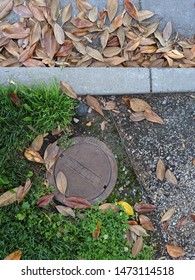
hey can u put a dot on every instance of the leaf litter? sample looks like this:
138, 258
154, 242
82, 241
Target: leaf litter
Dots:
53, 30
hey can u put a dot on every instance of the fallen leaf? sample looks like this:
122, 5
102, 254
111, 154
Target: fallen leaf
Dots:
97, 231
50, 43
137, 247
15, 31
77, 202
55, 9
131, 9
33, 63
148, 49
14, 256
51, 155
5, 8
117, 22
83, 5
61, 182
32, 155
36, 11
67, 13
65, 211
144, 207
81, 22
128, 208
93, 14
146, 222
151, 28
22, 191
171, 177
94, 54
112, 7
114, 61
65, 49
22, 11
175, 251
110, 105
37, 143
145, 14
160, 170
59, 33
131, 223
105, 206
35, 33
68, 90
167, 31
138, 230
104, 38
103, 125
181, 222
175, 54
121, 35
137, 116
45, 200
136, 104
153, 117
27, 53
8, 197
160, 38
111, 51
133, 45
15, 99
168, 215
93, 103
192, 216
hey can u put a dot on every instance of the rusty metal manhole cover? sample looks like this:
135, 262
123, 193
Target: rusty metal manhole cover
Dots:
90, 168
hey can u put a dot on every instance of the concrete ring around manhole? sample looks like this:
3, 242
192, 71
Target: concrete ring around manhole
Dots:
90, 169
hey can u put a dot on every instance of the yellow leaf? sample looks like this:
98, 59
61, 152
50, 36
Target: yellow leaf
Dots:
32, 155
128, 208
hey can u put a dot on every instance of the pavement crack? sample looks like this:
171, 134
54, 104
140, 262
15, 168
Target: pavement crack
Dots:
150, 78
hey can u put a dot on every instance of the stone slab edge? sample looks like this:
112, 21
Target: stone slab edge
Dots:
107, 81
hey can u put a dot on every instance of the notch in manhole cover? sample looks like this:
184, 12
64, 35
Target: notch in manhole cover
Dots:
90, 168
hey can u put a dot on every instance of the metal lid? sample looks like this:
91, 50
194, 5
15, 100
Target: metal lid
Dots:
90, 169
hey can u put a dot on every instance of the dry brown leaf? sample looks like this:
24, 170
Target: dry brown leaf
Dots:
15, 99
192, 216
72, 36
160, 38
111, 51
138, 230
14, 256
153, 117
145, 14
167, 31
37, 143
117, 22
81, 22
35, 33
77, 202
133, 44
175, 54
114, 42
16, 31
80, 47
121, 35
83, 5
12, 48
106, 206
36, 11
168, 215
65, 49
22, 191
67, 13
32, 155
97, 231
59, 33
51, 155
131, 9
110, 105
94, 54
151, 28
127, 20
160, 170
61, 182
103, 125
148, 49
144, 207
181, 222
68, 90
8, 197
104, 38
114, 61
33, 63
55, 9
146, 222
65, 211
138, 105
137, 247
93, 14
50, 43
93, 103
27, 53
193, 162
175, 251
45, 200
22, 11
171, 177
137, 116
112, 7
5, 8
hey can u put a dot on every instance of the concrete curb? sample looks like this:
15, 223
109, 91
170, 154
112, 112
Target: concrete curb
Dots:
107, 81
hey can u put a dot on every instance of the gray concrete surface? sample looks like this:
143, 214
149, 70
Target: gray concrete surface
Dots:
106, 81
174, 143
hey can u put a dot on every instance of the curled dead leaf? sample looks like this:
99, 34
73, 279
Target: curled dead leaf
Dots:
93, 103
137, 116
68, 90
175, 251
65, 211
77, 202
97, 231
14, 256
146, 222
45, 200
153, 117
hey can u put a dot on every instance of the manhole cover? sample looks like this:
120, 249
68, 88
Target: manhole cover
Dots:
90, 169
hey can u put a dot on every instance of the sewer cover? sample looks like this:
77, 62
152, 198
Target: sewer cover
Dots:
90, 168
